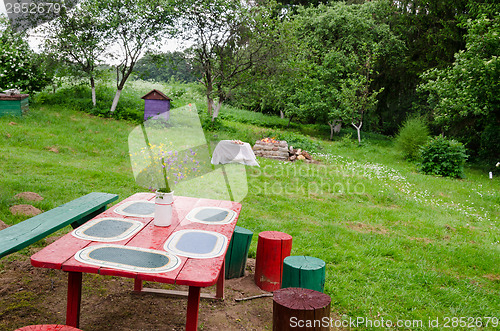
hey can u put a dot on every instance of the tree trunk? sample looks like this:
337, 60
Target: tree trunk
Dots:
210, 103
358, 128
282, 114
331, 130
335, 127
115, 100
92, 86
120, 83
216, 109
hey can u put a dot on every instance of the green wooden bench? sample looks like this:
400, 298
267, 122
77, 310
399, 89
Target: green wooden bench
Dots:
73, 213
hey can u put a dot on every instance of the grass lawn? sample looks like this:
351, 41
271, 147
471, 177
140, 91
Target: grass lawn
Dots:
398, 245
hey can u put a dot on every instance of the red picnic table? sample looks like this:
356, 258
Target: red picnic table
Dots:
123, 241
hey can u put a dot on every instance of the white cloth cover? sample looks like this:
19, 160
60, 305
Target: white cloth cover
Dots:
228, 151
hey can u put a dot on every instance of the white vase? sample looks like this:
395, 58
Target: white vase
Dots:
163, 208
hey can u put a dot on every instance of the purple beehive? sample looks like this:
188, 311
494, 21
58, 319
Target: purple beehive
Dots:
156, 103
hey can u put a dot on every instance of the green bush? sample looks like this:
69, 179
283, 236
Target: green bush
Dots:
412, 135
443, 157
298, 141
208, 125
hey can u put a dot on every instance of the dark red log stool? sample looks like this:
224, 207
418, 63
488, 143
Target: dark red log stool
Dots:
300, 309
48, 327
272, 248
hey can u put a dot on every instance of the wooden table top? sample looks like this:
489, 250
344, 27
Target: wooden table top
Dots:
201, 272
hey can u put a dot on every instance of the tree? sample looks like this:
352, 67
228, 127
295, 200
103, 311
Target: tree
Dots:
465, 97
20, 67
79, 39
356, 98
334, 60
137, 25
432, 34
230, 43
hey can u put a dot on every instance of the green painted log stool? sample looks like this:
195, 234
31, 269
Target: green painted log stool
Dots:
237, 253
304, 272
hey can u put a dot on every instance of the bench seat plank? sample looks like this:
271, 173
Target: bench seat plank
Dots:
75, 212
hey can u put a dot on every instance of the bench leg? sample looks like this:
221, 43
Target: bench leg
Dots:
74, 299
193, 308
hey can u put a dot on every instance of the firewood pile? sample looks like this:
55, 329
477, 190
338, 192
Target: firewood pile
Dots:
279, 150
299, 154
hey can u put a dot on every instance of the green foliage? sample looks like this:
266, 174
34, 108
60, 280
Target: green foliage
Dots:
347, 140
297, 141
413, 134
471, 86
20, 67
443, 157
250, 117
230, 41
79, 39
465, 97
214, 125
77, 98
329, 58
490, 142
431, 33
163, 67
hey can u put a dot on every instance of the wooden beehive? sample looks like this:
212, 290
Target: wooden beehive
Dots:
156, 103
16, 104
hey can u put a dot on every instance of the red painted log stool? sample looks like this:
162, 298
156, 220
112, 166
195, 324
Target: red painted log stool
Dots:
272, 248
301, 309
48, 327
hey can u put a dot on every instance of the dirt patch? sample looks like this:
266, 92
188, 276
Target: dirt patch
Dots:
3, 225
30, 295
366, 228
450, 228
26, 210
52, 149
29, 196
495, 278
423, 240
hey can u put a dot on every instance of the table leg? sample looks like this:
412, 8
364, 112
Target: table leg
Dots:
137, 285
193, 308
74, 299
219, 287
